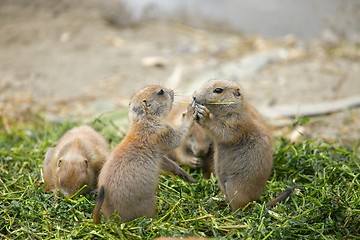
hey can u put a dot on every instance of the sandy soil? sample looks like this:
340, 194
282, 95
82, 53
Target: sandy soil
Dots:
62, 58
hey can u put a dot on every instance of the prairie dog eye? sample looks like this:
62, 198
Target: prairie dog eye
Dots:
218, 90
161, 92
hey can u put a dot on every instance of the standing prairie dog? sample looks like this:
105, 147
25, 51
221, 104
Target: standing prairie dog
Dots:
129, 179
242, 141
75, 161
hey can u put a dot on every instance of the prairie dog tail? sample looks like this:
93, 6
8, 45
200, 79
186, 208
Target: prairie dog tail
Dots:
99, 203
281, 197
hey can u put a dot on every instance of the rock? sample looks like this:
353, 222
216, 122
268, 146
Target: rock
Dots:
154, 61
241, 68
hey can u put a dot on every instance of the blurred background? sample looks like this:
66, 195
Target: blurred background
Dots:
79, 59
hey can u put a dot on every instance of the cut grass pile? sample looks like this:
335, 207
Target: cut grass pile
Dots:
325, 204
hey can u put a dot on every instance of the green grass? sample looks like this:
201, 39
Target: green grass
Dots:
325, 205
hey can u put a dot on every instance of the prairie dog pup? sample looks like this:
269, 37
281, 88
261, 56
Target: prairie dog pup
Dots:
242, 141
196, 149
129, 179
75, 161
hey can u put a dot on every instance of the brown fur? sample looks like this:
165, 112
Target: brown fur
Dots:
242, 141
196, 149
169, 166
129, 179
75, 161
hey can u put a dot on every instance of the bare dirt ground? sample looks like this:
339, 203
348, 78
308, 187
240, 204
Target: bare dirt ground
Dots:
61, 58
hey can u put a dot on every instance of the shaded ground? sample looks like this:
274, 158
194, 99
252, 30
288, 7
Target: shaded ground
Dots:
62, 58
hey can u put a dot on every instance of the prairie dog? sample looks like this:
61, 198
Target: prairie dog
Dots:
242, 141
129, 179
196, 149
75, 161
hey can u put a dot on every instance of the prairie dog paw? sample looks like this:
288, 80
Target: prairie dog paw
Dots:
190, 114
202, 113
195, 162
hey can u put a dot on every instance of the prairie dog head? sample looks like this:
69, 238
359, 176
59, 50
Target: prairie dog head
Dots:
199, 141
151, 100
73, 174
218, 95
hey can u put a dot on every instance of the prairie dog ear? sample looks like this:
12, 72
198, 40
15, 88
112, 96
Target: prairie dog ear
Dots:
237, 92
59, 162
145, 105
49, 155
